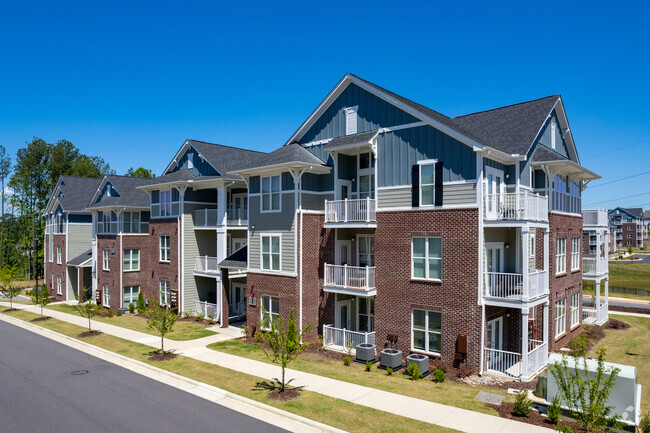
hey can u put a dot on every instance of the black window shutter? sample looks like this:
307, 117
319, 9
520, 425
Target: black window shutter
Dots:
438, 184
415, 185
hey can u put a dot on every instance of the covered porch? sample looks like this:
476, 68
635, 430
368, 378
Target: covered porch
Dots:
354, 323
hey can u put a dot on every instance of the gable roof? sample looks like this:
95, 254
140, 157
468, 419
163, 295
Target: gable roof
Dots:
636, 212
363, 137
127, 188
222, 158
81, 258
646, 214
288, 156
77, 192
237, 260
543, 154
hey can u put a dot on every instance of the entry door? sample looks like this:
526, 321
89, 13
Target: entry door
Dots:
495, 334
495, 189
344, 314
345, 189
237, 301
494, 260
344, 253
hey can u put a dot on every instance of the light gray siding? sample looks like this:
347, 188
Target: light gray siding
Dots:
79, 239
394, 197
315, 201
272, 222
195, 243
453, 195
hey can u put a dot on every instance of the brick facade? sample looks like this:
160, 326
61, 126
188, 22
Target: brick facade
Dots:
53, 270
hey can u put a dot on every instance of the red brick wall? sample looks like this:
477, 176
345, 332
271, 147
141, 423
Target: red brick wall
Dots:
157, 270
562, 286
629, 228
284, 287
112, 276
54, 270
456, 297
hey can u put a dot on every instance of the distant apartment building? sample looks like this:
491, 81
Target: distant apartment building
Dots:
628, 227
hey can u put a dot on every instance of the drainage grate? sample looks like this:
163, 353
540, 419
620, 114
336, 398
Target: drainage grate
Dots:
79, 372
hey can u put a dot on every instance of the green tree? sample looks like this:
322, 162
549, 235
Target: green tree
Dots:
630, 249
87, 309
161, 320
90, 166
586, 394
41, 297
285, 341
5, 169
63, 155
140, 172
141, 305
7, 287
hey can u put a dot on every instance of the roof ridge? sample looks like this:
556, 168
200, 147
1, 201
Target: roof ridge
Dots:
225, 145
79, 177
507, 106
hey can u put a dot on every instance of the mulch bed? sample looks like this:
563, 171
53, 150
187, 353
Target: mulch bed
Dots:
287, 394
162, 356
534, 417
89, 334
40, 319
9, 310
205, 322
616, 324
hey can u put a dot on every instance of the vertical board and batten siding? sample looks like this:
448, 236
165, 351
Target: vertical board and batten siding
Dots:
79, 239
319, 182
201, 166
544, 137
107, 191
454, 194
315, 201
272, 222
509, 170
373, 113
400, 150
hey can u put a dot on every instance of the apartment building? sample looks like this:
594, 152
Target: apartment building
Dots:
595, 265
628, 226
379, 221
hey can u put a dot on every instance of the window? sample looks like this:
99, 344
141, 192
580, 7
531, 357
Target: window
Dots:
106, 296
351, 120
270, 193
575, 253
366, 315
366, 160
366, 175
135, 222
271, 253
59, 285
629, 236
165, 292
426, 331
104, 225
106, 255
165, 248
366, 246
270, 310
427, 258
165, 203
531, 246
575, 309
560, 255
130, 295
560, 317
131, 260
427, 189
59, 254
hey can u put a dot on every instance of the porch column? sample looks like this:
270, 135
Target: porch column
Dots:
524, 344
547, 259
545, 331
606, 298
597, 301
222, 299
525, 238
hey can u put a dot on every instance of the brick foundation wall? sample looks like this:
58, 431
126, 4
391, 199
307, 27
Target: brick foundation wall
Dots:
456, 296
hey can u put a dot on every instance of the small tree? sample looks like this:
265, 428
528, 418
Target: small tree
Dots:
141, 305
630, 249
7, 288
88, 309
586, 394
285, 341
40, 296
160, 319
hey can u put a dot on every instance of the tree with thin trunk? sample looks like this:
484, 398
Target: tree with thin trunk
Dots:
5, 169
161, 320
41, 296
7, 287
285, 341
87, 309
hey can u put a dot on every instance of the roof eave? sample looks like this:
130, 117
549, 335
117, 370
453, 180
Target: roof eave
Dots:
569, 167
311, 168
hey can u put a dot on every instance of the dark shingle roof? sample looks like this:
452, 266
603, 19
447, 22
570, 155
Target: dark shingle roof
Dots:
77, 191
225, 158
636, 211
130, 195
185, 176
362, 137
238, 259
511, 129
85, 256
286, 154
646, 214
545, 154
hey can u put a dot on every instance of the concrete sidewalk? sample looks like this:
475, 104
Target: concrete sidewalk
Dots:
421, 410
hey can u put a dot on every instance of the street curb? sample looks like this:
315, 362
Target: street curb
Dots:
200, 385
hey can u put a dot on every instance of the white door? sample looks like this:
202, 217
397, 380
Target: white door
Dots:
495, 334
237, 301
343, 314
494, 260
495, 190
344, 190
344, 252
366, 250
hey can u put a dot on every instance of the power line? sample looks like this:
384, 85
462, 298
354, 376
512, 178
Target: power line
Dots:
617, 149
618, 180
618, 198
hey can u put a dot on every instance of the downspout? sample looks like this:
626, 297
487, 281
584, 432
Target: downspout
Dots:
121, 255
479, 187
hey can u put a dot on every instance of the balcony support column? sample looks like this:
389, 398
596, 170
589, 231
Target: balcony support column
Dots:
545, 329
606, 298
597, 301
524, 344
525, 238
547, 259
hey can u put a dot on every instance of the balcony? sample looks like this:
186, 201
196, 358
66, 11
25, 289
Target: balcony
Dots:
340, 338
206, 265
351, 280
509, 287
208, 218
594, 314
357, 213
237, 216
595, 217
521, 206
205, 218
594, 266
509, 364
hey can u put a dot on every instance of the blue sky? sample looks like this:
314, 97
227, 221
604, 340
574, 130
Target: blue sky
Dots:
129, 81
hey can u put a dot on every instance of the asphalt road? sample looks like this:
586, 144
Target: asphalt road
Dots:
44, 387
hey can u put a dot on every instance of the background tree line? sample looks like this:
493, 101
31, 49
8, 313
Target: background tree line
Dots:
27, 183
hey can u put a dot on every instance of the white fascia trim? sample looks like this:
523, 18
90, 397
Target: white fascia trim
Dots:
427, 161
101, 186
282, 167
452, 182
379, 131
265, 272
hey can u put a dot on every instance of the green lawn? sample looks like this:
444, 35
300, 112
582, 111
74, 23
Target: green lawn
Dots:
318, 407
449, 393
631, 276
182, 330
635, 339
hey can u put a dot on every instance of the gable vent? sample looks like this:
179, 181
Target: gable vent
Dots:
351, 120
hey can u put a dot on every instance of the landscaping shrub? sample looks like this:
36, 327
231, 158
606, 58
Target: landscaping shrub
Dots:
438, 375
564, 428
141, 307
413, 371
554, 410
131, 308
368, 365
389, 371
199, 317
644, 424
522, 404
109, 313
346, 361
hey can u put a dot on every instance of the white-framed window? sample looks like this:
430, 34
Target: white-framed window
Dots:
426, 331
130, 295
106, 296
560, 255
531, 246
270, 194
106, 259
366, 252
366, 175
629, 235
59, 285
575, 309
575, 253
560, 317
270, 310
165, 203
104, 220
366, 314
427, 184
131, 260
59, 254
165, 292
270, 251
165, 248
133, 222
426, 258
351, 120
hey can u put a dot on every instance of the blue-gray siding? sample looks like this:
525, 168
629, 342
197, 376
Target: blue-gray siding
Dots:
545, 136
508, 170
272, 222
201, 166
455, 194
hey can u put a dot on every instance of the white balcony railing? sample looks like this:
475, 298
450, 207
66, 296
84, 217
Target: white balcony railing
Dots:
522, 206
509, 364
207, 309
594, 266
511, 286
237, 216
205, 264
205, 217
350, 277
345, 338
346, 211
595, 217
537, 356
